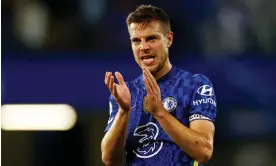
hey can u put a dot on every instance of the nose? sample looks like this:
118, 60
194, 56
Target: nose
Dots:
144, 46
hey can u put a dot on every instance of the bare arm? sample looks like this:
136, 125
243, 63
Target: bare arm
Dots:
196, 141
114, 142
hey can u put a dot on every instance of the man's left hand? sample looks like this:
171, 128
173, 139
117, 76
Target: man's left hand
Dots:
152, 102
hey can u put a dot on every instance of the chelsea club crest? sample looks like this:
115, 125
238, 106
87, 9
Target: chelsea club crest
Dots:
169, 104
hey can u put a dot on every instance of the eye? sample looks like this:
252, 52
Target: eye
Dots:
135, 40
151, 38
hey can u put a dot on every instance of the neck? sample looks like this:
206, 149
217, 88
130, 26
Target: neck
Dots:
163, 71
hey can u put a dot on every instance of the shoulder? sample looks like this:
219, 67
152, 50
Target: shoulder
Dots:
202, 85
182, 74
201, 79
192, 79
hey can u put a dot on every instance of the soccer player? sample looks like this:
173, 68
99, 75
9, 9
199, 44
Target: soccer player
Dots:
166, 115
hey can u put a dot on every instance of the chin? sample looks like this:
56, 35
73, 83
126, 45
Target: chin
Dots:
153, 69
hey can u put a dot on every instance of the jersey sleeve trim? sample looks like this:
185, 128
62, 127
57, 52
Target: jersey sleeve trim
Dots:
198, 117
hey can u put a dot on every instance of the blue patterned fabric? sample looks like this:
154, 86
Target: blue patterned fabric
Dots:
186, 96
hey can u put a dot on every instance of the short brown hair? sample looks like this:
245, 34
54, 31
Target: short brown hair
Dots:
146, 14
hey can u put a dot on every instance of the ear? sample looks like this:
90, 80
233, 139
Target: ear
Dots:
169, 39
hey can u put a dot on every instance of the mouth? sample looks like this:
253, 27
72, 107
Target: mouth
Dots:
148, 59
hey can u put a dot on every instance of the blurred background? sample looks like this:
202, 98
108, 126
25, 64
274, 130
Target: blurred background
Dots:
57, 52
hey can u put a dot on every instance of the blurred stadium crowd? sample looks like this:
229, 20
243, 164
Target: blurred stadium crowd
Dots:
228, 26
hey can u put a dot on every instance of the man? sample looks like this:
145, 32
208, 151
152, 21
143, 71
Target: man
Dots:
166, 115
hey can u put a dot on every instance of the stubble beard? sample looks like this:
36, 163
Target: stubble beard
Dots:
159, 66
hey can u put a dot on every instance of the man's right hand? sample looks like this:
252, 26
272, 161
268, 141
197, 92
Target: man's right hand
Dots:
119, 91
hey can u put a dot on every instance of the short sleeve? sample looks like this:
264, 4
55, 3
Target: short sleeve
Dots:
203, 103
113, 109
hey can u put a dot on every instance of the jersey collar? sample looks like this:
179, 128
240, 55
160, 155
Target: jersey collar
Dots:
168, 76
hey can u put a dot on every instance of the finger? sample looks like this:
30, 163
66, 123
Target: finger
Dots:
148, 80
111, 82
120, 78
114, 90
151, 80
107, 78
105, 75
148, 88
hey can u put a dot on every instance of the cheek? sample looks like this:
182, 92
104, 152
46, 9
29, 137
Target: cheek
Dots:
136, 57
135, 50
161, 51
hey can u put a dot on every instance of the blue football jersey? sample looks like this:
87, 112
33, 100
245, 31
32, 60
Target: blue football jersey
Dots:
186, 96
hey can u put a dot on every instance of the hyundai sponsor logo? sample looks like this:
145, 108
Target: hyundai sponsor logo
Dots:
205, 90
205, 101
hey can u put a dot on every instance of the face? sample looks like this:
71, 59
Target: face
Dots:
150, 45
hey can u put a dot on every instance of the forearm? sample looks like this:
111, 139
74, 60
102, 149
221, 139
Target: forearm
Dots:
195, 144
113, 143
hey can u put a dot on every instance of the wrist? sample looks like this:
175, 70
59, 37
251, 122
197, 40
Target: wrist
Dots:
160, 113
124, 109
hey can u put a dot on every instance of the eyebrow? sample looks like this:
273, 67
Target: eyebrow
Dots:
152, 36
147, 37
